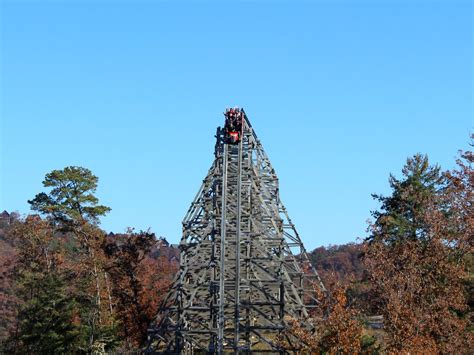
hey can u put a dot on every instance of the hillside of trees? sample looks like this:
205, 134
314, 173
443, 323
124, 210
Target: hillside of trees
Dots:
68, 286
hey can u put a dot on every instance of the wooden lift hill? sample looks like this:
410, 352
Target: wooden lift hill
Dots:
244, 271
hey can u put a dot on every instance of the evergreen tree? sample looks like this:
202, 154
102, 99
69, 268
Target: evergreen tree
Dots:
71, 205
71, 198
402, 214
45, 306
46, 319
413, 260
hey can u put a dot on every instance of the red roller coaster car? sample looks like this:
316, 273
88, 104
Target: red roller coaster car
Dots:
233, 125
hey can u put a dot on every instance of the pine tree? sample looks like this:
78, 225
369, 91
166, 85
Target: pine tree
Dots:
414, 263
402, 214
71, 206
71, 198
46, 319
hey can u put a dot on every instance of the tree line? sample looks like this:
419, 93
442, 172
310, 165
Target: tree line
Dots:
69, 287
415, 270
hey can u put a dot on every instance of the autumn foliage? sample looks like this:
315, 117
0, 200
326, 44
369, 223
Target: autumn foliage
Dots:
66, 286
333, 327
140, 283
416, 256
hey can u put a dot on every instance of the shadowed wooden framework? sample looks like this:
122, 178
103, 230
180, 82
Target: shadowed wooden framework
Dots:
243, 268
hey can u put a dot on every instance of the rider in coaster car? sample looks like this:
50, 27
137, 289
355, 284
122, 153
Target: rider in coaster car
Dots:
233, 125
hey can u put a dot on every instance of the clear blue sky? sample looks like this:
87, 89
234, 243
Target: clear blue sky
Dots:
340, 94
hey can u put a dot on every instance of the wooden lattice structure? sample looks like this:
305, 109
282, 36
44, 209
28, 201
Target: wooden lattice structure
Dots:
243, 268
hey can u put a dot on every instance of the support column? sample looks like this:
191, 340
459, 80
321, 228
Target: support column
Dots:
220, 336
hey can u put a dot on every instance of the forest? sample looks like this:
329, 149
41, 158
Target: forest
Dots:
68, 286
